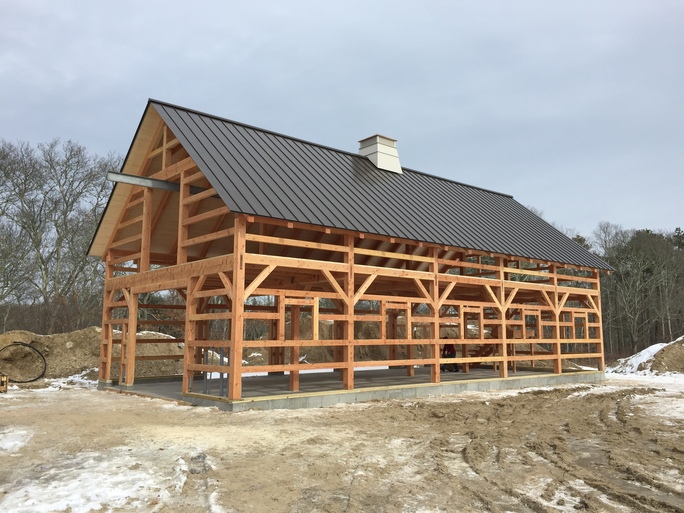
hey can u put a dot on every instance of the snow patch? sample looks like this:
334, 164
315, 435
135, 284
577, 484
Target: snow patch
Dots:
13, 439
123, 482
75, 381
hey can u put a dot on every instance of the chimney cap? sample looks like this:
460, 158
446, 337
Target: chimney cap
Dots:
381, 151
377, 138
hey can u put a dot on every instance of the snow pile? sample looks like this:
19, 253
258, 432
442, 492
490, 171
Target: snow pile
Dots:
642, 362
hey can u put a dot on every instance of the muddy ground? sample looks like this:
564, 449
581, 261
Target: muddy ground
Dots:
612, 447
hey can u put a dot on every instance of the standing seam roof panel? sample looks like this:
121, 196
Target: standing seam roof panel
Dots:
306, 173
310, 194
227, 157
258, 173
337, 194
191, 143
262, 173
271, 159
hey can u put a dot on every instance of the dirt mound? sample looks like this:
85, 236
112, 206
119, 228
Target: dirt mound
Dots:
77, 352
670, 358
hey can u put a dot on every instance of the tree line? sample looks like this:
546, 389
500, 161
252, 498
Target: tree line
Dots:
53, 195
643, 299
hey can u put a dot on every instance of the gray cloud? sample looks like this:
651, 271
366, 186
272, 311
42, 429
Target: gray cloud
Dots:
574, 108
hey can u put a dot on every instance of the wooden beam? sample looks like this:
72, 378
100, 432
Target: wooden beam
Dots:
249, 290
335, 285
364, 286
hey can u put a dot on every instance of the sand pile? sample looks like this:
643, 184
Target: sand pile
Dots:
670, 358
655, 359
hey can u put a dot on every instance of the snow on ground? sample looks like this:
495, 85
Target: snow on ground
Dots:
67, 485
75, 381
11, 439
636, 370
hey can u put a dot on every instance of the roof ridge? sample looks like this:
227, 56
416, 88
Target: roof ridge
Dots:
252, 127
310, 143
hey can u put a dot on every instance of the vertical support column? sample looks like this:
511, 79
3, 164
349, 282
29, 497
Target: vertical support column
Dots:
190, 333
295, 314
392, 334
183, 214
146, 240
276, 355
106, 341
348, 355
123, 352
465, 349
238, 312
557, 362
599, 319
383, 320
132, 300
410, 348
435, 374
315, 323
503, 371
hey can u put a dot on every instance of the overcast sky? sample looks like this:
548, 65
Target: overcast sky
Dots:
575, 108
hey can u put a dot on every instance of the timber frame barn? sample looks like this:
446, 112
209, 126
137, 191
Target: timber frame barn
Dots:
247, 226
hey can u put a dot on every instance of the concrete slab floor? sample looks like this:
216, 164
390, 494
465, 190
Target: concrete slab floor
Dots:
325, 388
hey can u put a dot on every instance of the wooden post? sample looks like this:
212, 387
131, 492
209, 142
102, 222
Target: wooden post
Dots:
462, 331
123, 352
348, 356
435, 373
557, 362
410, 370
503, 371
190, 332
132, 300
295, 313
238, 312
183, 214
146, 239
599, 320
106, 341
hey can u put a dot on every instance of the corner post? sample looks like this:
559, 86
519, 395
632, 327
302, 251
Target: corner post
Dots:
238, 310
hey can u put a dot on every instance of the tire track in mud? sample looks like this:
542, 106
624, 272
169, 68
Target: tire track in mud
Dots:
563, 449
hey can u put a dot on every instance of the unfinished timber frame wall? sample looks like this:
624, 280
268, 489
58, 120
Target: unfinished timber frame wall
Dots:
369, 300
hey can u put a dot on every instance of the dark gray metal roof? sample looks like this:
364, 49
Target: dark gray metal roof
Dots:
258, 172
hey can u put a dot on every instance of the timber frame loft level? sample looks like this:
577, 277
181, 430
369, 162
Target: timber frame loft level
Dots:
234, 270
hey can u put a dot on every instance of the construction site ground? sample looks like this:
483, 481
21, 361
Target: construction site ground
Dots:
614, 446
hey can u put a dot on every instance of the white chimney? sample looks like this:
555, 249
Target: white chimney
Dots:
382, 151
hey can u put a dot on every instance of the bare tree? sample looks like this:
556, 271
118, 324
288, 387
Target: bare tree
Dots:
52, 200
